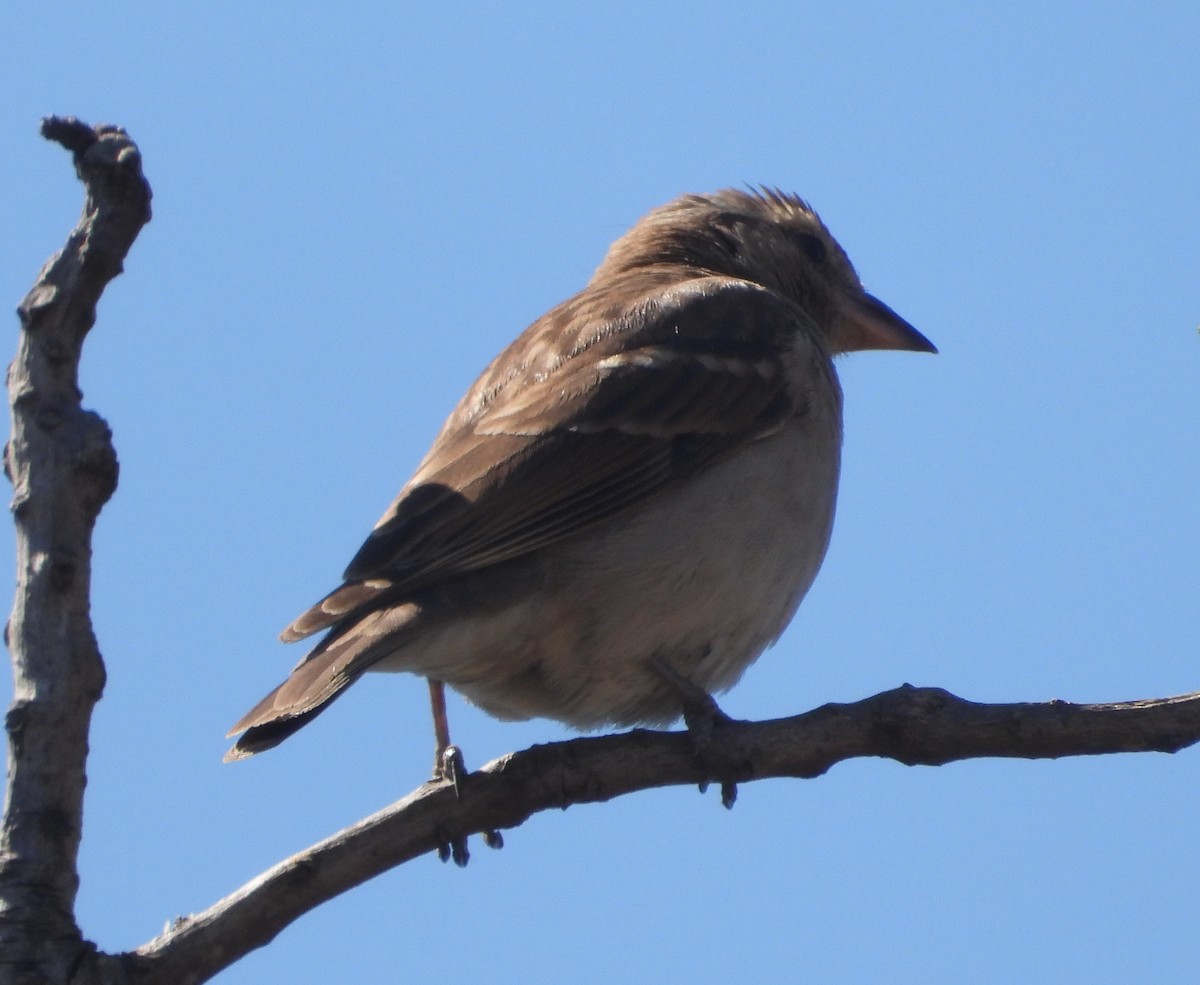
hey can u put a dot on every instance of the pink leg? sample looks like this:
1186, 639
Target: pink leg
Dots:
441, 727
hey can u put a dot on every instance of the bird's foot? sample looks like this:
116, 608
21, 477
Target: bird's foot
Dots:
450, 767
704, 731
453, 847
704, 720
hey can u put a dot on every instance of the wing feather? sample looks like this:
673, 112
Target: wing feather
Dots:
597, 406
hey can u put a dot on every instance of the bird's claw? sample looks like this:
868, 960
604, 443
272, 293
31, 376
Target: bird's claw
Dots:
703, 717
450, 767
454, 848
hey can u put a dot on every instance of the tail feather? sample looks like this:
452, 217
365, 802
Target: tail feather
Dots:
334, 664
258, 738
303, 696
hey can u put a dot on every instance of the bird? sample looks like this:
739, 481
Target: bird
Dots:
629, 504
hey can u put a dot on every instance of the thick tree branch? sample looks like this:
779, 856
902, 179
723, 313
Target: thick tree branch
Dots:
63, 468
915, 726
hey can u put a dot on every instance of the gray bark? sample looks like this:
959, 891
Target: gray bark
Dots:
63, 468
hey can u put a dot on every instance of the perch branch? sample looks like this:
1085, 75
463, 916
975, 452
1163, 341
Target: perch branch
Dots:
914, 726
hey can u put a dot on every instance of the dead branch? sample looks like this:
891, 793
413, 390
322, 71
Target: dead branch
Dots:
63, 468
914, 726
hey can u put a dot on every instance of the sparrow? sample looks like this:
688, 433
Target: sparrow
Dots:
629, 504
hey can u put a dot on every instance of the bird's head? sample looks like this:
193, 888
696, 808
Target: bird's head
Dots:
773, 239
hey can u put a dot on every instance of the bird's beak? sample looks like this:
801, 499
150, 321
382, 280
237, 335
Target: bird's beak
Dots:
868, 323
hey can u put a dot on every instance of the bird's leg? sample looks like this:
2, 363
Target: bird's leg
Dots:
702, 716
448, 765
447, 758
700, 710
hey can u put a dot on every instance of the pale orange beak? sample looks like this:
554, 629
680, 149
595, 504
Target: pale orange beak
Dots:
868, 323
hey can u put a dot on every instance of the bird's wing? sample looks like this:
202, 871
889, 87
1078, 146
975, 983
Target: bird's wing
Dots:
595, 407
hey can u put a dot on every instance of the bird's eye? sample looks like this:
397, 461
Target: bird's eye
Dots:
812, 245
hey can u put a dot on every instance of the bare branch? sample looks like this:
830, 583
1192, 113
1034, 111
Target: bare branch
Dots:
63, 468
914, 726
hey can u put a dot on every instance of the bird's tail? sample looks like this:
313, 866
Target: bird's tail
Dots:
304, 695
333, 665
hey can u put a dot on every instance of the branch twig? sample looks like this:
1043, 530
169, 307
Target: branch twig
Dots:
914, 726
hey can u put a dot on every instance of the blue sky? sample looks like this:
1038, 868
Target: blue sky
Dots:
356, 206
